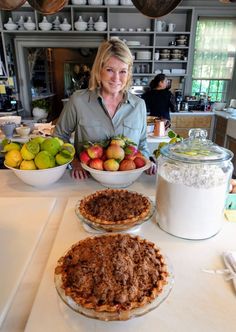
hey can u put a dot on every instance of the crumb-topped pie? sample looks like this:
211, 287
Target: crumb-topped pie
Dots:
111, 275
117, 208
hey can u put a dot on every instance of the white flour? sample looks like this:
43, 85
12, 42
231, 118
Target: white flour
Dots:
190, 199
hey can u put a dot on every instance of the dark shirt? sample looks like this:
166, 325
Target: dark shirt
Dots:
159, 103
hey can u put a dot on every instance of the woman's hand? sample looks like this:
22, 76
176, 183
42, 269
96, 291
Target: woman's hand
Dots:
232, 188
78, 173
152, 170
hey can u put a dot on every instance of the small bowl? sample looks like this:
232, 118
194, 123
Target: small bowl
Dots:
78, 2
29, 26
116, 179
181, 42
40, 177
126, 3
23, 131
45, 26
111, 2
10, 26
95, 2
218, 106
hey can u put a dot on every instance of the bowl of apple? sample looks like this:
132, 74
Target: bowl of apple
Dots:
116, 163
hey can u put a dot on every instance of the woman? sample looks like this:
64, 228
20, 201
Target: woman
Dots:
159, 100
106, 108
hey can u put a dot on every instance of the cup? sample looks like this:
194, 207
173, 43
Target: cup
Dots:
161, 26
8, 129
23, 131
171, 27
157, 55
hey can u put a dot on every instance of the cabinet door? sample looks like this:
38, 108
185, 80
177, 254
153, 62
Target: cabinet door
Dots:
231, 145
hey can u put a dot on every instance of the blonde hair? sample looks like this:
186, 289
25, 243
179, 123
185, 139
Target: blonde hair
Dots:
113, 47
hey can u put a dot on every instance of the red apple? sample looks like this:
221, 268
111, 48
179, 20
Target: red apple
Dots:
127, 165
95, 151
130, 151
84, 157
115, 151
96, 163
111, 165
139, 162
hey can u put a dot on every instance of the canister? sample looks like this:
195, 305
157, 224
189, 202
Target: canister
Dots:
192, 186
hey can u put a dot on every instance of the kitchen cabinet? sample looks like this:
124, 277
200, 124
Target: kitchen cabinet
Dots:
220, 130
182, 122
125, 22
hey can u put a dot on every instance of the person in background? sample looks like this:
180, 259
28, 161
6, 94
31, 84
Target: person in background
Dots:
159, 100
106, 108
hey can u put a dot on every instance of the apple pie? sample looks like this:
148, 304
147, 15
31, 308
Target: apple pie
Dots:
115, 207
111, 273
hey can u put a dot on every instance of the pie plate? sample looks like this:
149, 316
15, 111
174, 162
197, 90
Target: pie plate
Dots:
120, 315
112, 227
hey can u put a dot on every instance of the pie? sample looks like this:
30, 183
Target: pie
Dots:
115, 207
111, 273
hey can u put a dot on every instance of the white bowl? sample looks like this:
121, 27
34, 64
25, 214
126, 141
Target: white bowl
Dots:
126, 3
29, 26
217, 106
23, 131
111, 2
45, 26
9, 119
116, 179
78, 2
40, 177
95, 2
10, 26
81, 26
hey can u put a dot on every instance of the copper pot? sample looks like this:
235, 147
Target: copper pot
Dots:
11, 4
48, 7
155, 8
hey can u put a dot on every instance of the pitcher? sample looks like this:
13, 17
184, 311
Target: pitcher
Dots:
171, 27
159, 127
161, 26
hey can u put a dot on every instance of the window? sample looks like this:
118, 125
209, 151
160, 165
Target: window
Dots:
214, 57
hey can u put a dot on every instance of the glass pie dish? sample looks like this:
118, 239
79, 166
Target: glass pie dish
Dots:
117, 313
112, 227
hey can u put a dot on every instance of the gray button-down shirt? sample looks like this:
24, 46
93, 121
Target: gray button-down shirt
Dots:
86, 115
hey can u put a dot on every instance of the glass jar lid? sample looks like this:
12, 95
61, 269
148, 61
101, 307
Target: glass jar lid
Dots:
196, 149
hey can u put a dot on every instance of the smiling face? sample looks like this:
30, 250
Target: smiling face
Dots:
114, 75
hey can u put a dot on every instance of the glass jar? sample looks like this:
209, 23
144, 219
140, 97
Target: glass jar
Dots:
192, 186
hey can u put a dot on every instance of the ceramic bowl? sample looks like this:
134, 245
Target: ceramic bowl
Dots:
181, 42
100, 26
10, 26
217, 106
111, 2
40, 177
65, 27
45, 26
23, 131
29, 26
126, 3
78, 2
116, 179
10, 119
81, 26
95, 2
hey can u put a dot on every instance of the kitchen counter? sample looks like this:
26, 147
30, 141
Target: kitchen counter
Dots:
199, 301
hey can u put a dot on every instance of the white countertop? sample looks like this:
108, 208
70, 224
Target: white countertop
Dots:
198, 302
